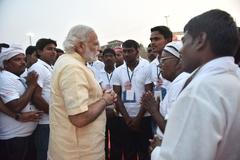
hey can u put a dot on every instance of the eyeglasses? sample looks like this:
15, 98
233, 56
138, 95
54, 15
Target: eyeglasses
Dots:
163, 59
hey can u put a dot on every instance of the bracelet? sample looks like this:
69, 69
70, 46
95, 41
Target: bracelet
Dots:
104, 101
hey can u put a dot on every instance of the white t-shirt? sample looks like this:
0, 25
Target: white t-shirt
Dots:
11, 88
96, 67
140, 76
143, 60
204, 121
44, 72
106, 82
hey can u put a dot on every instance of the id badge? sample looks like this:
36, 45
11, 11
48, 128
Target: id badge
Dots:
129, 96
158, 93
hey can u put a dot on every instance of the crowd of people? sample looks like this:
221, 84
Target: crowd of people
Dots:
180, 103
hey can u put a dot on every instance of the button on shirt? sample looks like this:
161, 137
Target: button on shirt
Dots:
11, 88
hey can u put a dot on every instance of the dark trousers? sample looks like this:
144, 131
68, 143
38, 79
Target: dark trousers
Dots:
116, 145
18, 148
41, 138
131, 143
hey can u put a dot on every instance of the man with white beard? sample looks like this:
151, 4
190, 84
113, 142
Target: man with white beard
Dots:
77, 112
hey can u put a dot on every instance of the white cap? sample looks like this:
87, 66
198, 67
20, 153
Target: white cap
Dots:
174, 48
10, 52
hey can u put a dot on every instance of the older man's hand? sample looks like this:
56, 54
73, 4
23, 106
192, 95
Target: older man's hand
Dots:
149, 103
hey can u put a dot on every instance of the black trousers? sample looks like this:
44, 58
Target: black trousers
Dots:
18, 148
116, 145
129, 143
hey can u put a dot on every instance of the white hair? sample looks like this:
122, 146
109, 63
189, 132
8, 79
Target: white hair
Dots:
78, 33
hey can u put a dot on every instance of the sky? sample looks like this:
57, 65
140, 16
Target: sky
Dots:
111, 19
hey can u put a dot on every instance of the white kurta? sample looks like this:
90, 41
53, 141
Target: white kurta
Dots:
204, 121
174, 89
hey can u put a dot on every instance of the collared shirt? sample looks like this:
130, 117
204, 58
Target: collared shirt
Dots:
106, 82
140, 77
13, 87
44, 72
204, 121
96, 67
73, 89
174, 89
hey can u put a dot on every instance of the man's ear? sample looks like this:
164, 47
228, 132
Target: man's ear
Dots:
79, 48
200, 41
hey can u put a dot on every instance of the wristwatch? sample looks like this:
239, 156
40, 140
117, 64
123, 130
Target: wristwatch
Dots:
17, 116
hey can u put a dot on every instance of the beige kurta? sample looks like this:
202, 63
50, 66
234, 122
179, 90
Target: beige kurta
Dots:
73, 88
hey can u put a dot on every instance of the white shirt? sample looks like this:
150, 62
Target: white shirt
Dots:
204, 121
44, 72
140, 77
174, 89
106, 82
143, 60
96, 67
11, 88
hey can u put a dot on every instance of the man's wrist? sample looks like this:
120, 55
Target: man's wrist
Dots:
104, 100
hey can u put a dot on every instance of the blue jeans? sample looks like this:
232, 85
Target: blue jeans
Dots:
41, 138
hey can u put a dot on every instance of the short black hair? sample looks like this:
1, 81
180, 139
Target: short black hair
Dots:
30, 50
163, 30
109, 50
41, 43
220, 28
130, 44
59, 50
237, 55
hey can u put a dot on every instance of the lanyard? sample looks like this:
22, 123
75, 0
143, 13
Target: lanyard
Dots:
130, 77
158, 72
48, 68
158, 69
109, 77
22, 80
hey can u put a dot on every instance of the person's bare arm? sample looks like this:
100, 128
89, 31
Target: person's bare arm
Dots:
39, 101
18, 104
6, 110
137, 120
150, 104
32, 116
120, 106
94, 110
